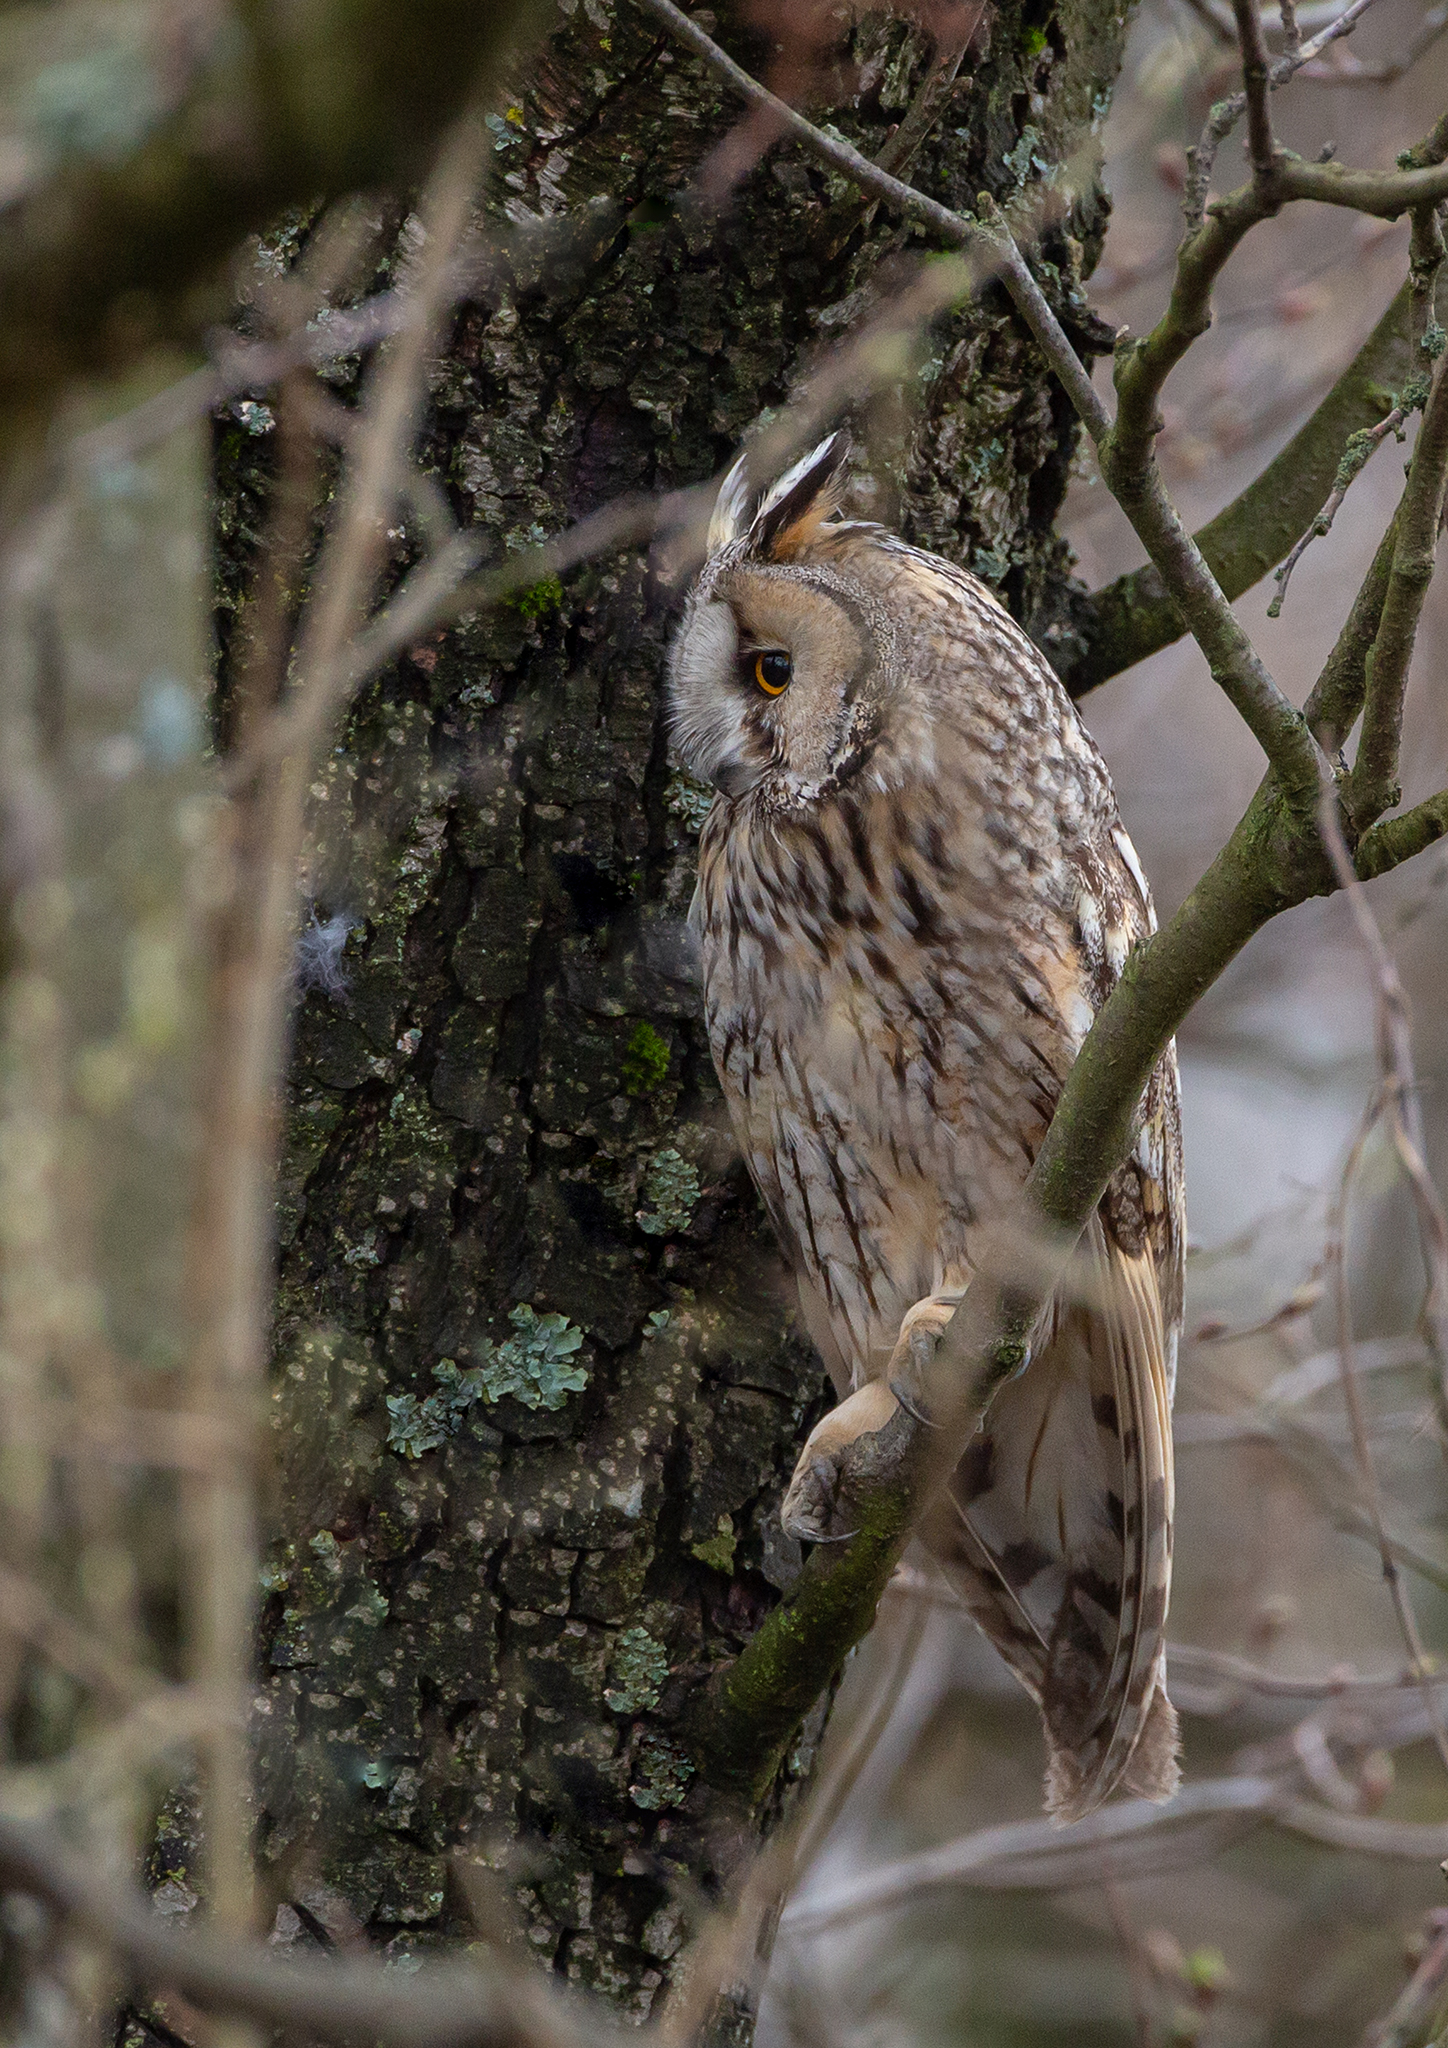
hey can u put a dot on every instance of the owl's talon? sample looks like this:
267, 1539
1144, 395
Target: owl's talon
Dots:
808, 1506
850, 1447
908, 1374
910, 1403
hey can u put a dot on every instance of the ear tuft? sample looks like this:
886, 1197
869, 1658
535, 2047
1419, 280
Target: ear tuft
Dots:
727, 520
796, 506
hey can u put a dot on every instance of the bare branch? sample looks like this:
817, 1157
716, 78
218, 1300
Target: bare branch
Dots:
1384, 194
1373, 787
1361, 446
1133, 616
1395, 840
1237, 1678
992, 241
1142, 1839
1257, 84
1417, 2008
1201, 159
1426, 261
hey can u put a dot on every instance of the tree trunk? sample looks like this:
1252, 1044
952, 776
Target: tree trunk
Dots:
489, 1597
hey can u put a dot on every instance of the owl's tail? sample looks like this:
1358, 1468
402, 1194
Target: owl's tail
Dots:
1057, 1532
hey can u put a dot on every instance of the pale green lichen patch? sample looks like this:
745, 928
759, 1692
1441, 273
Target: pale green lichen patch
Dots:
672, 1188
640, 1668
690, 800
536, 1365
664, 1772
416, 1426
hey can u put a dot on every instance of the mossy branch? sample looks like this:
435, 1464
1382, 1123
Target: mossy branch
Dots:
742, 1727
1374, 786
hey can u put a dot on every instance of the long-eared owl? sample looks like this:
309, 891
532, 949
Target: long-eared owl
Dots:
915, 892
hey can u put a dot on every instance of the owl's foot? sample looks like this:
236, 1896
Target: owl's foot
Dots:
861, 1443
909, 1371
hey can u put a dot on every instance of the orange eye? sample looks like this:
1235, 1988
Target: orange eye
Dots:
772, 673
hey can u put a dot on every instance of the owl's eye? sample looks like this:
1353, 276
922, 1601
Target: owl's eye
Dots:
772, 672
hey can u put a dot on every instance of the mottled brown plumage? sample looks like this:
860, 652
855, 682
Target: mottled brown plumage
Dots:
915, 892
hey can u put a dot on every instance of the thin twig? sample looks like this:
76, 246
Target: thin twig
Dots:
1256, 85
1402, 1103
1291, 30
1360, 447
1130, 1948
252, 941
1238, 1676
242, 366
1202, 157
1426, 258
1398, 1088
1348, 70
28, 1612
1217, 19
1416, 2008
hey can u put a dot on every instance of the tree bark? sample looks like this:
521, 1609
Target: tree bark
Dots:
486, 1617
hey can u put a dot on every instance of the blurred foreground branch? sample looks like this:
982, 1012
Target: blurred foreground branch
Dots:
472, 2005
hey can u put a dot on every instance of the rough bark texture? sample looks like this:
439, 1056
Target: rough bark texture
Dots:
485, 1617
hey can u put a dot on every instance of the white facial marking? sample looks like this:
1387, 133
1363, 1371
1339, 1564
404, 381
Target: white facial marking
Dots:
708, 719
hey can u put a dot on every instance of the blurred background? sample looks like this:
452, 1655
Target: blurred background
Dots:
1234, 1930
481, 1118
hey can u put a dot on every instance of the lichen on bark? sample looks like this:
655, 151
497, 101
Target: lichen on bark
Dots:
503, 1097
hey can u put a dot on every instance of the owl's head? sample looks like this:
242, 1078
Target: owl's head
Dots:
779, 671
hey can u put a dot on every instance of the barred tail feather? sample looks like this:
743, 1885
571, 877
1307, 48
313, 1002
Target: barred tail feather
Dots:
1057, 1532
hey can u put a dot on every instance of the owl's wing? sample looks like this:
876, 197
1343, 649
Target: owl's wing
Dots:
1059, 1518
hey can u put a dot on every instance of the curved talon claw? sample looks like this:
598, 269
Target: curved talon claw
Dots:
908, 1372
912, 1409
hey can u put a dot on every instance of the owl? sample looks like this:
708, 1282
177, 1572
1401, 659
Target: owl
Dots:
915, 892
